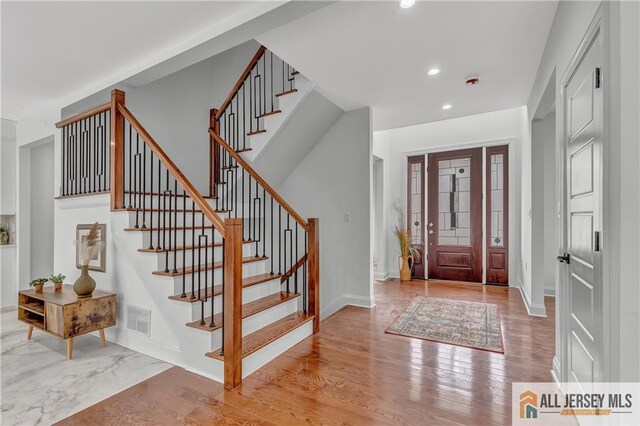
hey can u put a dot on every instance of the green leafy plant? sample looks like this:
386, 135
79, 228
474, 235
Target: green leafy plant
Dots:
36, 281
57, 278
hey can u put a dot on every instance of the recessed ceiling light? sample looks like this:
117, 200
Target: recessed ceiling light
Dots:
406, 4
433, 71
446, 106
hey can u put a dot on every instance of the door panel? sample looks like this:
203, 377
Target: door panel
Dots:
497, 192
415, 211
455, 215
583, 144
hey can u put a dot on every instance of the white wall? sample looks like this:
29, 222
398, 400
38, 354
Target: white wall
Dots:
543, 238
334, 179
175, 108
42, 223
393, 146
550, 209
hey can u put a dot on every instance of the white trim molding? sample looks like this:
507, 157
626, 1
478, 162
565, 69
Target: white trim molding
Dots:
534, 310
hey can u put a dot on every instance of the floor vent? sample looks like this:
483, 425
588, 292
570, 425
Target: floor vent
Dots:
139, 320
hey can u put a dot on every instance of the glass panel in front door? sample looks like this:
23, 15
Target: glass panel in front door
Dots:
454, 202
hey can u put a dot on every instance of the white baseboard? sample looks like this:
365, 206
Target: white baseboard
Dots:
382, 276
550, 291
533, 310
347, 299
143, 344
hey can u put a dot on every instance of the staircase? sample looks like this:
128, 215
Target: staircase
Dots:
239, 264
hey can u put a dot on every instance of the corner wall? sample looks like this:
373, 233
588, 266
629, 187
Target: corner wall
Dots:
332, 181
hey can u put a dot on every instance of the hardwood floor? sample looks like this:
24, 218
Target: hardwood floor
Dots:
353, 373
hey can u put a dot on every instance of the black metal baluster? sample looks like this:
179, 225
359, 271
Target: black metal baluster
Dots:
280, 240
295, 280
212, 323
130, 168
161, 218
184, 244
304, 276
264, 222
175, 228
200, 275
151, 201
272, 94
224, 265
193, 254
136, 168
144, 186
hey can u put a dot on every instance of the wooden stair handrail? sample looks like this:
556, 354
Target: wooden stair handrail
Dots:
205, 207
260, 180
83, 115
243, 76
294, 268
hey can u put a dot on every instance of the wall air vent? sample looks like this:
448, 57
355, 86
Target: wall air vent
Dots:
139, 320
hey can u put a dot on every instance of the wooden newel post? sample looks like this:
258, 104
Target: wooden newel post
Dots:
232, 303
117, 151
214, 160
314, 272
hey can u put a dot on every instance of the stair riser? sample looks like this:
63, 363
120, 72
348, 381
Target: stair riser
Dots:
181, 237
257, 321
190, 255
162, 219
249, 294
248, 270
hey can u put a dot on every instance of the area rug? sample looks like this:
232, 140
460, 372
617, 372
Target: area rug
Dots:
470, 324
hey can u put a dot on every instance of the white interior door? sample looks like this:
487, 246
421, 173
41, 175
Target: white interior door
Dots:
583, 279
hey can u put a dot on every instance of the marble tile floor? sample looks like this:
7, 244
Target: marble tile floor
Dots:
39, 386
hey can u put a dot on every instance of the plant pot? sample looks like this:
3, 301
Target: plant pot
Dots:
57, 286
84, 285
39, 287
405, 269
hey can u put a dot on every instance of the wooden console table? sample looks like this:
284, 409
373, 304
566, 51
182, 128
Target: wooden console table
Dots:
65, 315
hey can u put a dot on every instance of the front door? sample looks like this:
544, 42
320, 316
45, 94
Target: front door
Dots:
583, 266
454, 228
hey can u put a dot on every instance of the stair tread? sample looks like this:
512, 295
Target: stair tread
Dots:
261, 338
208, 266
286, 92
248, 309
217, 290
256, 132
133, 209
188, 247
266, 114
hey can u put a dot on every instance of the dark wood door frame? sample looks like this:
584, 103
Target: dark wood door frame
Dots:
497, 264
456, 262
418, 265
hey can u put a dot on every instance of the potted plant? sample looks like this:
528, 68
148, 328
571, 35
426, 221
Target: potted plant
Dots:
403, 235
89, 249
4, 235
38, 283
57, 281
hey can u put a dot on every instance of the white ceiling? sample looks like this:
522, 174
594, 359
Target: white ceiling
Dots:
377, 54
53, 49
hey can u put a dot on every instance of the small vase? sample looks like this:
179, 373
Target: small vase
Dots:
84, 285
57, 286
405, 270
39, 288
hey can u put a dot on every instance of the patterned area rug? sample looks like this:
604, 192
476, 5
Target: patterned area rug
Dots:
471, 324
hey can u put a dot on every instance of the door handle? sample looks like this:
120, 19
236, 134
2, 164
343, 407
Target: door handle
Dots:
565, 258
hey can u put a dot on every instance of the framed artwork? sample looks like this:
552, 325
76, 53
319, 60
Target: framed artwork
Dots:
98, 263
